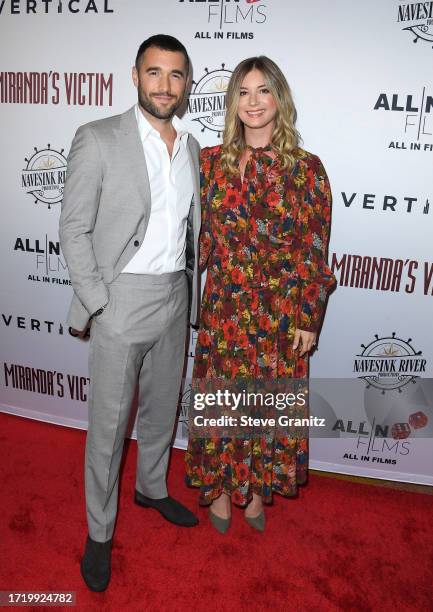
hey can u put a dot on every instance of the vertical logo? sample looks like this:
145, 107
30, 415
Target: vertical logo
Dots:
40, 7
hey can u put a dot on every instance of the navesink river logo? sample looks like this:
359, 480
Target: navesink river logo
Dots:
44, 176
416, 18
207, 100
389, 363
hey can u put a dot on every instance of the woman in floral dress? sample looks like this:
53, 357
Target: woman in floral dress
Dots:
266, 206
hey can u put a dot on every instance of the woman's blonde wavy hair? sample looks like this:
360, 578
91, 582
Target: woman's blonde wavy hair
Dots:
285, 137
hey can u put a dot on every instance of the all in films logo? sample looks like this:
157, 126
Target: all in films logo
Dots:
415, 109
380, 433
226, 17
389, 363
207, 100
416, 18
49, 265
44, 176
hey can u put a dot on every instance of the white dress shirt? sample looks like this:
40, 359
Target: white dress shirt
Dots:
171, 188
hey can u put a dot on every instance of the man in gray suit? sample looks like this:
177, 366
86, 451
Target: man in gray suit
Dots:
129, 232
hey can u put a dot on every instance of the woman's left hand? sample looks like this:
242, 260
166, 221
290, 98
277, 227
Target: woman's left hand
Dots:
304, 340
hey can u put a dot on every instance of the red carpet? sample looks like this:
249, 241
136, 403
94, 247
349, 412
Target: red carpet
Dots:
339, 546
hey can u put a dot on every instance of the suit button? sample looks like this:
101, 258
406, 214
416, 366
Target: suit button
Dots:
136, 243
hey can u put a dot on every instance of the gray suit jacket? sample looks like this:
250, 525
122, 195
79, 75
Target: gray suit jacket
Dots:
106, 209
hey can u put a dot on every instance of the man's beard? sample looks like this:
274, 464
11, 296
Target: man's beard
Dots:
153, 110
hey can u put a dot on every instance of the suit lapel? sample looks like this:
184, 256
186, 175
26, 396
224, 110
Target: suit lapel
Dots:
193, 164
129, 141
195, 174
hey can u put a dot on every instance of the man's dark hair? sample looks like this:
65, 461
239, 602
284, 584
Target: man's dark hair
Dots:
164, 42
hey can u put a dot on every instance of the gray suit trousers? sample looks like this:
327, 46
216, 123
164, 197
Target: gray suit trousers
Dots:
140, 336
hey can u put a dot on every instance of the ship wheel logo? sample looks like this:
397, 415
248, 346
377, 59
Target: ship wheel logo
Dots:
389, 363
184, 404
44, 176
422, 32
207, 100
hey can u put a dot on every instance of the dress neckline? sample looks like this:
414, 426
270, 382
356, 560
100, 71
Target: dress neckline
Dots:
259, 154
266, 149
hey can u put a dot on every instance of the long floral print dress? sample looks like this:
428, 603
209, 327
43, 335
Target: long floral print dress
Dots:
263, 242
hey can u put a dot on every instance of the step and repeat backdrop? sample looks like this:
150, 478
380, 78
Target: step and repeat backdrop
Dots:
361, 75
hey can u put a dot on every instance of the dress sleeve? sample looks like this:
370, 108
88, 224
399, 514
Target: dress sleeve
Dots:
316, 278
205, 242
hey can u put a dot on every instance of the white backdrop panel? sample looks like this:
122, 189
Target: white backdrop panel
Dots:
339, 58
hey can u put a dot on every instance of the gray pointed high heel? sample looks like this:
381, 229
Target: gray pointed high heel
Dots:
257, 522
220, 524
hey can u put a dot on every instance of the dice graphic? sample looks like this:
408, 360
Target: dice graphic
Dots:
418, 420
400, 431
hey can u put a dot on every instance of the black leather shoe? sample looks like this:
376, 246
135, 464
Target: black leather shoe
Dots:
170, 509
96, 564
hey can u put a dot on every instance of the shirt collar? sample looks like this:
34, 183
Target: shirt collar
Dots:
145, 128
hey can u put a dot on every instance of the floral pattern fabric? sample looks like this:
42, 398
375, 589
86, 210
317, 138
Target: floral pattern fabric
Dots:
263, 242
